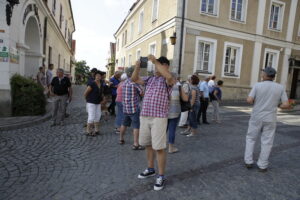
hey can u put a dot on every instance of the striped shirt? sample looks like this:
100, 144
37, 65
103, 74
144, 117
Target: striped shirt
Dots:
156, 99
174, 107
130, 96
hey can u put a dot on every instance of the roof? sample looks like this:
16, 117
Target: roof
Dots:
72, 14
130, 10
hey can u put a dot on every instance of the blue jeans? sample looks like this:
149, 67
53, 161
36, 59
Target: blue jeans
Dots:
172, 124
193, 116
120, 115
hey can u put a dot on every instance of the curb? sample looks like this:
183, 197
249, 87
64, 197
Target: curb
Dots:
26, 124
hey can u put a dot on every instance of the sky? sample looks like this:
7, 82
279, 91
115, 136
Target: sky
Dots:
96, 21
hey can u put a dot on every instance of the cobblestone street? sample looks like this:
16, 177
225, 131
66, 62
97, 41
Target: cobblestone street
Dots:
61, 163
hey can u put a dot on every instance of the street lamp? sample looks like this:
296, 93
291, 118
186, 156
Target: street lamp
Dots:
173, 38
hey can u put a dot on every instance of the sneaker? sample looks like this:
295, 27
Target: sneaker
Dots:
146, 173
191, 135
159, 183
53, 124
262, 170
249, 166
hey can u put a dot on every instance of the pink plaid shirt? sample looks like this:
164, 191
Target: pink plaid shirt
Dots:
157, 97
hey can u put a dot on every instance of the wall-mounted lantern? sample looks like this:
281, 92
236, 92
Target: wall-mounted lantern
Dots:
173, 38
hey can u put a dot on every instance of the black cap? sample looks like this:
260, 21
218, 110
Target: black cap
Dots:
163, 60
271, 72
94, 70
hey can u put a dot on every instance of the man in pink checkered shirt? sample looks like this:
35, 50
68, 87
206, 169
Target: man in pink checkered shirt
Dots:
154, 116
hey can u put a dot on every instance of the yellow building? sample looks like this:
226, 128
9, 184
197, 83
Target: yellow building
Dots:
233, 39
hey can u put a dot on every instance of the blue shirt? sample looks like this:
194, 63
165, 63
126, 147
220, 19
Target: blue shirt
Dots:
115, 84
204, 89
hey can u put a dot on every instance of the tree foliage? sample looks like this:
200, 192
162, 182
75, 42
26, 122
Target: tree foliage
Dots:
82, 72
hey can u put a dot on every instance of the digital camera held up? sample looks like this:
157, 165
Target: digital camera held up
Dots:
144, 62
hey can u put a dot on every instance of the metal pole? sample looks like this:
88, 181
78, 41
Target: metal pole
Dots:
181, 36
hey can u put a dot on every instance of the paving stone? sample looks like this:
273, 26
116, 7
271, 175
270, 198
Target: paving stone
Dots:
41, 162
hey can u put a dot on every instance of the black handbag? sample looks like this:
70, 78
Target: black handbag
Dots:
185, 105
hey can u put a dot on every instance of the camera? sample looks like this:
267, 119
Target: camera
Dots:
144, 62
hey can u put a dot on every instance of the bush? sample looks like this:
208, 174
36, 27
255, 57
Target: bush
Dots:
27, 97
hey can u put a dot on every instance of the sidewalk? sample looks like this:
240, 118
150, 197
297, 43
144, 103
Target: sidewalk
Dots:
11, 123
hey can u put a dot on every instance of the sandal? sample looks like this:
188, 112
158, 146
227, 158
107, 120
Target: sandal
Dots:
122, 142
139, 147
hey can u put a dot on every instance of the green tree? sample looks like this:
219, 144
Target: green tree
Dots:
82, 72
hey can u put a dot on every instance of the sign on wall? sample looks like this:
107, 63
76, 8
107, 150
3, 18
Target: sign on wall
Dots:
4, 54
14, 56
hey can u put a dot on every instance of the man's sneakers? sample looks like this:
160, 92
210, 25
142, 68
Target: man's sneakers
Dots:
159, 182
146, 173
251, 166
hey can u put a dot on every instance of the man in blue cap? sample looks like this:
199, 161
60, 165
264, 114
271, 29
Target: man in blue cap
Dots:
265, 97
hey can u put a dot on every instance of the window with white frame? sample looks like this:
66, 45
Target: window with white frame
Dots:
129, 60
271, 58
155, 10
152, 51
205, 55
54, 7
238, 10
141, 21
232, 59
123, 39
138, 54
131, 31
118, 43
276, 15
209, 7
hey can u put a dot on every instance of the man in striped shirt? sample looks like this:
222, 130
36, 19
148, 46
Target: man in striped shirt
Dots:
131, 93
154, 116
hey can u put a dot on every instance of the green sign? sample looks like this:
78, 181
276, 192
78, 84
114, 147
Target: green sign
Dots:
4, 54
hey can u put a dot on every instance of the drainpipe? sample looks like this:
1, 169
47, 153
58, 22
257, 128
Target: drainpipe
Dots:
181, 36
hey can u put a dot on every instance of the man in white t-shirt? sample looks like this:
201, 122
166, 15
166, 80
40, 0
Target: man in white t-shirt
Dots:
211, 83
265, 97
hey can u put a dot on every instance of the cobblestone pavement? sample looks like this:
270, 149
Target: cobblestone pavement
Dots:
61, 163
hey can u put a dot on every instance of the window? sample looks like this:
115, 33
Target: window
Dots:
125, 42
131, 31
238, 10
138, 54
232, 59
61, 18
66, 28
54, 7
155, 10
152, 51
299, 30
118, 43
209, 7
141, 21
129, 60
123, 39
271, 58
276, 15
50, 55
205, 55
58, 60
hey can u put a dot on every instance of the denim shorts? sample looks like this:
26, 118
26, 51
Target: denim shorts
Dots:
133, 119
193, 116
120, 115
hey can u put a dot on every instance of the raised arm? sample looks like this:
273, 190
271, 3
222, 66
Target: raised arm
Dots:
136, 74
162, 70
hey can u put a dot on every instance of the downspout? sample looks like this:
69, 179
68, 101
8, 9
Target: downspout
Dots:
181, 36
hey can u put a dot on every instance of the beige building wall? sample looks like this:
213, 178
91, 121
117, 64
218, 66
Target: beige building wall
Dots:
167, 11
296, 34
281, 34
222, 19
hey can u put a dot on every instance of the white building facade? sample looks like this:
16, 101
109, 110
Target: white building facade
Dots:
38, 33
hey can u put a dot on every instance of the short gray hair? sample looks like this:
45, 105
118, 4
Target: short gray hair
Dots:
60, 70
129, 71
